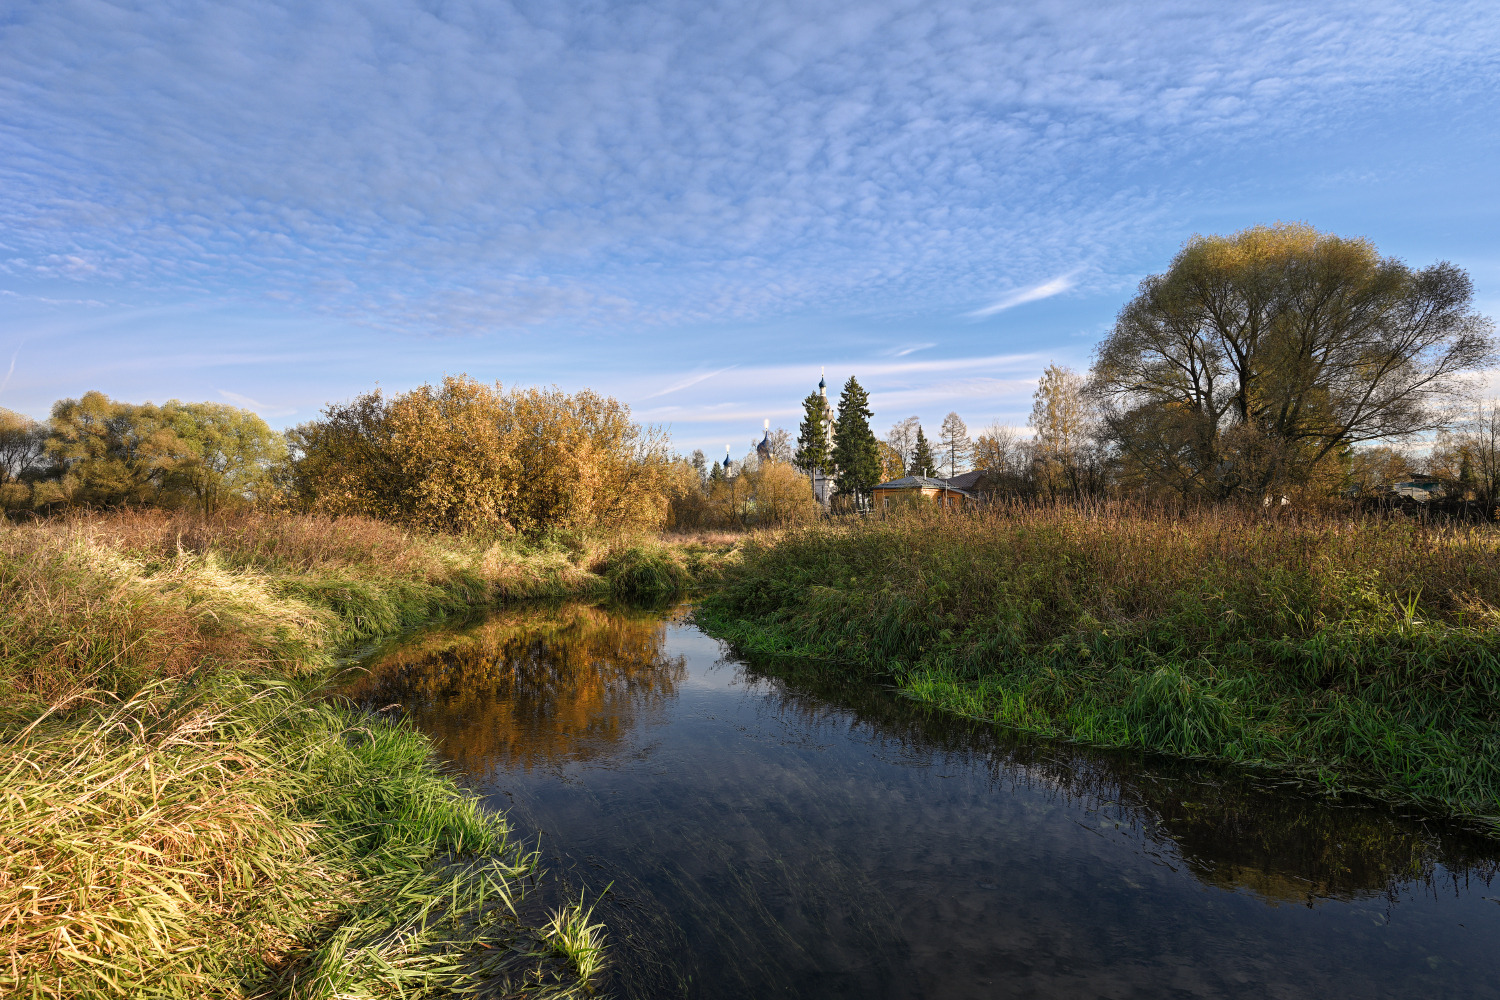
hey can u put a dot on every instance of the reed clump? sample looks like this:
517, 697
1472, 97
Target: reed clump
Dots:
1359, 653
239, 840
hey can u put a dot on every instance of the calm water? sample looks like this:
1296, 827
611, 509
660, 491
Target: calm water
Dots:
770, 837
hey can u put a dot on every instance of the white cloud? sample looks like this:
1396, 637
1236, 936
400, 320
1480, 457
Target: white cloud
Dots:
688, 382
475, 167
1021, 296
256, 406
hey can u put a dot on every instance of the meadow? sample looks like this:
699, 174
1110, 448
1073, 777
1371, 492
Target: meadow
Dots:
1357, 655
183, 814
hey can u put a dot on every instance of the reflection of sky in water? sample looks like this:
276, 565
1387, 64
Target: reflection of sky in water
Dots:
771, 837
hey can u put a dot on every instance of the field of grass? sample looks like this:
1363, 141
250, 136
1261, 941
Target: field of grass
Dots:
1357, 655
179, 816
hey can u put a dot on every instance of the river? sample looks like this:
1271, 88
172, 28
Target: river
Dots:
764, 834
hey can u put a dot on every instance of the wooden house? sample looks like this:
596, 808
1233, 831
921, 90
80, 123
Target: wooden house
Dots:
938, 491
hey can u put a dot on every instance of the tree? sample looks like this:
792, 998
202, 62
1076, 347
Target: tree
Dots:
1063, 418
464, 455
891, 466
856, 455
1001, 450
1060, 413
699, 462
780, 443
111, 450
955, 443
1468, 456
23, 446
1371, 472
903, 440
218, 452
1258, 357
812, 435
921, 463
177, 454
23, 449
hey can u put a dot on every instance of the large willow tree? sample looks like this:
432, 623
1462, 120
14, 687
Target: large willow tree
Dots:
1258, 359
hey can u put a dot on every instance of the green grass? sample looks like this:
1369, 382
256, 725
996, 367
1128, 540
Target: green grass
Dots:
181, 816
1360, 656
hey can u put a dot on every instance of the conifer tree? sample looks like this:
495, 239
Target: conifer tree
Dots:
812, 436
856, 455
955, 442
921, 457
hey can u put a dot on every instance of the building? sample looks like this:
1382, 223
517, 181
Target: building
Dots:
939, 491
1420, 490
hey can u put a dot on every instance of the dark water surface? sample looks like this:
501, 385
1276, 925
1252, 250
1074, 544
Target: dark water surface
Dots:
769, 836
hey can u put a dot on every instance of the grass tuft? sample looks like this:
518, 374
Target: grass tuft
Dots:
577, 941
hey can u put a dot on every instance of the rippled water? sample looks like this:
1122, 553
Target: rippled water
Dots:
769, 836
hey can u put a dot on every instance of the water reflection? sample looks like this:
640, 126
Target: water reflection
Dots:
534, 688
769, 832
1229, 829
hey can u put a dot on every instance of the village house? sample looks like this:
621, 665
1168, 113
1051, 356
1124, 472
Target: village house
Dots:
939, 491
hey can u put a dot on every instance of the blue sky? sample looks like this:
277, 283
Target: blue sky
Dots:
692, 206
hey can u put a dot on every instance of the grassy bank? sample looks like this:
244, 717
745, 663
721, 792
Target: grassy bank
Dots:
178, 817
1358, 655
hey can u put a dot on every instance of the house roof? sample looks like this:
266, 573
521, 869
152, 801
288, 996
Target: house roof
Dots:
919, 483
966, 480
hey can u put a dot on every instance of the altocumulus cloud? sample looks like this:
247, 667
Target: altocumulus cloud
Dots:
464, 166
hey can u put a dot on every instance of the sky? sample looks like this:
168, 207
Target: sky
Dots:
695, 207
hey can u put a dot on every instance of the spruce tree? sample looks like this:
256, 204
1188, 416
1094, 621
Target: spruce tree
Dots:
921, 457
856, 455
812, 436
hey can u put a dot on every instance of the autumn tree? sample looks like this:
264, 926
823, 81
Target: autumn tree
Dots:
217, 453
902, 438
856, 454
112, 451
891, 466
23, 450
954, 444
1371, 472
1258, 357
23, 446
1001, 449
202, 455
1063, 418
469, 456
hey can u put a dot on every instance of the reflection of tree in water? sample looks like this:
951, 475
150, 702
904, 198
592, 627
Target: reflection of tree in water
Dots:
533, 688
1230, 829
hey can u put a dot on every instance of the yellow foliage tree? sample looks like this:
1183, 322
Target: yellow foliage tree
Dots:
466, 456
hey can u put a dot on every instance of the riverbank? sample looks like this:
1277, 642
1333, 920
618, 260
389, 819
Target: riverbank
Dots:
181, 818
1359, 656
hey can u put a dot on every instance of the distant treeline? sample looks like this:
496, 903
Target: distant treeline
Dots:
1278, 364
461, 456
